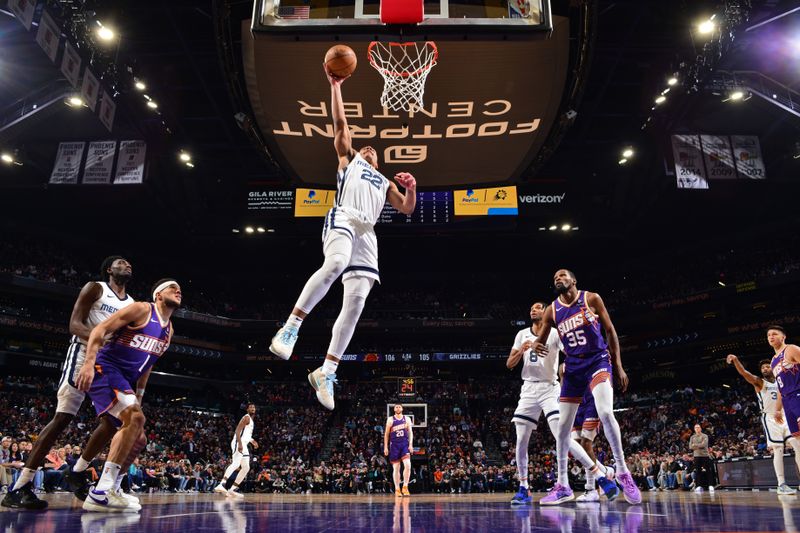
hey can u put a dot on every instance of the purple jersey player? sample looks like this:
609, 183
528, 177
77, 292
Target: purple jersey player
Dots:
397, 444
578, 317
786, 368
115, 375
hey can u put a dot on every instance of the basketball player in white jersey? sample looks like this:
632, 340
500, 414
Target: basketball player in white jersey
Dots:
240, 448
97, 301
349, 245
539, 394
776, 431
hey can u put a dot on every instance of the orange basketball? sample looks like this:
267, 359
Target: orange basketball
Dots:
340, 60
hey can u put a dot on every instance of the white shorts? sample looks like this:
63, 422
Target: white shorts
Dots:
69, 397
775, 433
588, 431
343, 223
534, 398
240, 457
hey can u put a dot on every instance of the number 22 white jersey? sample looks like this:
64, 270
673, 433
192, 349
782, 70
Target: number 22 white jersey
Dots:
361, 189
536, 367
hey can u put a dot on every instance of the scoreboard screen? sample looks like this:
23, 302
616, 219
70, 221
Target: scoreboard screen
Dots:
407, 387
432, 208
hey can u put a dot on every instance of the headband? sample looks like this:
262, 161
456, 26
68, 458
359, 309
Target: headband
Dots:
161, 287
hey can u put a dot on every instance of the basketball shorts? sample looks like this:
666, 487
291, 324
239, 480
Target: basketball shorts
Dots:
775, 433
587, 423
238, 456
791, 410
536, 397
69, 397
398, 451
582, 374
344, 223
111, 392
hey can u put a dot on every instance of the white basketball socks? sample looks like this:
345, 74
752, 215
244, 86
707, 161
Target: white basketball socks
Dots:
109, 477
25, 477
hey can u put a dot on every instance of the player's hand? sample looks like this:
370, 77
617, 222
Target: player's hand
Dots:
254, 443
385, 451
731, 359
85, 378
779, 417
527, 345
240, 448
622, 379
333, 80
406, 180
541, 348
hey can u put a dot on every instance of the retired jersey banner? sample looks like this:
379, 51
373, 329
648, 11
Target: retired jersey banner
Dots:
130, 164
689, 167
23, 10
747, 154
48, 36
90, 89
493, 201
71, 64
99, 162
68, 163
718, 156
313, 202
107, 110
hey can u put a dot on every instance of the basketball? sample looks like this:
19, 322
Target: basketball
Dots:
340, 60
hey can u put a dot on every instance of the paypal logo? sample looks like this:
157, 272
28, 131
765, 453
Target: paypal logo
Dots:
310, 200
470, 198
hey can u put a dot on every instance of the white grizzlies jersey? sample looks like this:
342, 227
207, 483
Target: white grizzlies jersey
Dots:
362, 189
535, 367
105, 306
247, 436
767, 397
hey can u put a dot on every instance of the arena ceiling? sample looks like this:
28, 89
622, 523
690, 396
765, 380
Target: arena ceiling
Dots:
637, 45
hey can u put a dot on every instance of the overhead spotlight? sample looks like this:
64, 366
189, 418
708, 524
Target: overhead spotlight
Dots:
707, 26
140, 85
261, 230
234, 230
184, 156
661, 99
566, 227
74, 101
774, 96
104, 32
736, 95
672, 81
665, 91
622, 161
553, 227
575, 228
7, 158
721, 283
270, 230
627, 153
152, 105
190, 164
542, 228
249, 229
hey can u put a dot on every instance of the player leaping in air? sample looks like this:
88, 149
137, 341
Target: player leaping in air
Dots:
590, 363
349, 245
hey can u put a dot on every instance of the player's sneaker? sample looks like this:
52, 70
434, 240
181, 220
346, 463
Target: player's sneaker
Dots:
23, 498
109, 502
405, 491
283, 342
783, 488
398, 493
590, 496
557, 495
324, 386
609, 486
235, 494
629, 488
130, 497
80, 483
698, 489
221, 489
522, 497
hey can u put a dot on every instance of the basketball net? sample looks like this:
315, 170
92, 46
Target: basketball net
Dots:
404, 68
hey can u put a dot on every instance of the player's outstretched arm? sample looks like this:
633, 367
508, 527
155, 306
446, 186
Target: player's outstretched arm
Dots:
80, 311
342, 140
403, 202
753, 380
136, 313
596, 302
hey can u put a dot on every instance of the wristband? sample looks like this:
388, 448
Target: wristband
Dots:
139, 392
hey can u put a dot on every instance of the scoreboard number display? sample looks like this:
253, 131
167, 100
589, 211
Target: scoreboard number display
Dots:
407, 387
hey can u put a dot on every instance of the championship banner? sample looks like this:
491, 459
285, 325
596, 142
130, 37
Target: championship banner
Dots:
689, 162
23, 10
313, 202
107, 110
71, 64
68, 163
718, 156
494, 201
90, 89
99, 162
747, 154
130, 163
48, 36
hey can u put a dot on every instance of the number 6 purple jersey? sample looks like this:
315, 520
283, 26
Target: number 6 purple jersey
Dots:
578, 327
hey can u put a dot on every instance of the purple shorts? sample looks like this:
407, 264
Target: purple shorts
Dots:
586, 417
108, 380
398, 451
581, 374
791, 408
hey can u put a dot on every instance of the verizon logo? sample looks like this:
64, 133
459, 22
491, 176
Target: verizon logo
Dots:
541, 198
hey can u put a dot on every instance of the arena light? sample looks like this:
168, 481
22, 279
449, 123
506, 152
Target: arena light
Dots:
74, 101
261, 230
553, 227
665, 91
105, 33
542, 228
707, 26
736, 95
152, 105
235, 230
190, 164
672, 81
721, 283
249, 229
575, 228
185, 156
270, 230
627, 153
7, 158
566, 227
622, 161
140, 85
661, 99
